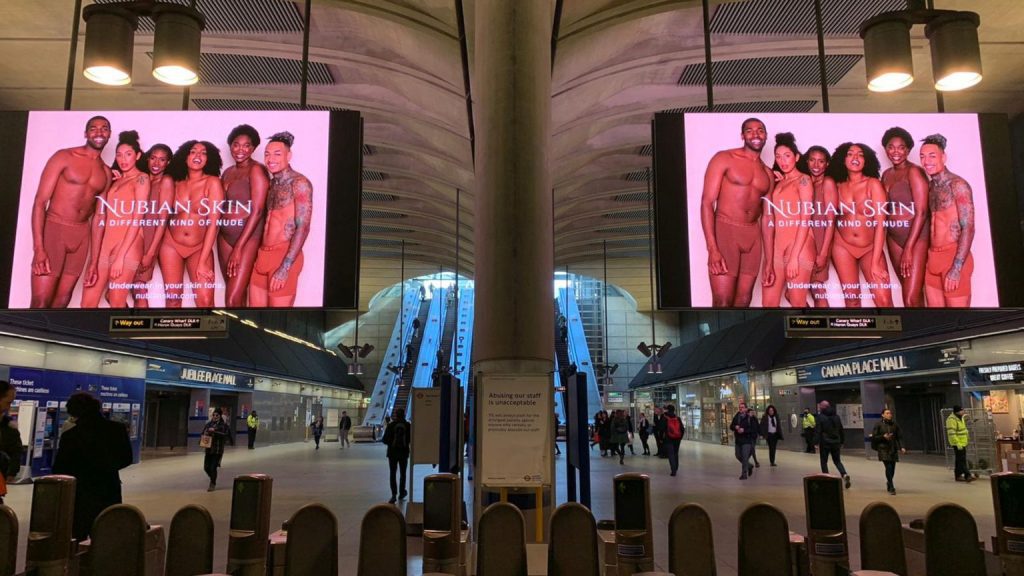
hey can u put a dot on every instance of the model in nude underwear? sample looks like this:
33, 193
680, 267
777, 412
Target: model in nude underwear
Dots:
906, 186
192, 228
824, 220
275, 275
951, 201
116, 249
793, 256
241, 233
161, 192
61, 215
858, 242
730, 214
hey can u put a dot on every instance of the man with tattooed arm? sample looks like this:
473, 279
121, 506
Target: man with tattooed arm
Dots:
950, 264
275, 275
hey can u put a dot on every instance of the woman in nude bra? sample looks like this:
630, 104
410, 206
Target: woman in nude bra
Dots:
116, 249
907, 188
860, 225
192, 228
793, 253
245, 185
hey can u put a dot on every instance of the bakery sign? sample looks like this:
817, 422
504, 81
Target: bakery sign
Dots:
994, 374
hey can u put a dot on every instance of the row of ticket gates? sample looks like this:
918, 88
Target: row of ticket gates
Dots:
123, 544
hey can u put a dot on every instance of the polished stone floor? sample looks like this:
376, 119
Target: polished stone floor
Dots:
350, 481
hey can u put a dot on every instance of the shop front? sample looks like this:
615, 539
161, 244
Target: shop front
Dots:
998, 390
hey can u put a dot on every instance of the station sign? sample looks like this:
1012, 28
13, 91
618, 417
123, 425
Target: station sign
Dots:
196, 326
877, 366
158, 371
843, 326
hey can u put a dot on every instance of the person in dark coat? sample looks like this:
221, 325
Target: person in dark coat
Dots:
620, 433
745, 428
829, 436
93, 451
10, 439
659, 436
643, 428
771, 430
218, 431
398, 438
317, 428
887, 439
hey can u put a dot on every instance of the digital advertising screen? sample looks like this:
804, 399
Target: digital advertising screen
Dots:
188, 209
825, 211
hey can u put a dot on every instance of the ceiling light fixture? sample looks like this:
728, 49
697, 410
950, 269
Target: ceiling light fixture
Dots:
110, 37
952, 34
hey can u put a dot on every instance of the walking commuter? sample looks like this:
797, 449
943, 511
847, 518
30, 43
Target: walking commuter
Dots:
643, 429
606, 434
93, 452
630, 429
595, 437
671, 428
620, 433
397, 437
956, 434
771, 429
829, 436
753, 451
807, 424
10, 439
659, 437
215, 434
252, 424
887, 439
415, 328
557, 449
317, 428
745, 428
344, 427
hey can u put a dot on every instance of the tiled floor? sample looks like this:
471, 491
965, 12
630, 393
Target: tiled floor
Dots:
350, 481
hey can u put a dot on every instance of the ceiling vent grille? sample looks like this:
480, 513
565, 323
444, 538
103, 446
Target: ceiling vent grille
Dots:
382, 215
627, 230
374, 176
796, 17
386, 243
645, 150
766, 106
378, 197
628, 243
631, 197
228, 104
371, 229
238, 16
636, 176
369, 150
628, 215
237, 69
772, 71
380, 254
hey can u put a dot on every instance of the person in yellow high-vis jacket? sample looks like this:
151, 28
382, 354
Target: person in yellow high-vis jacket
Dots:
808, 423
956, 434
252, 424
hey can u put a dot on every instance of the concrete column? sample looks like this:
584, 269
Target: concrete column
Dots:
514, 331
872, 399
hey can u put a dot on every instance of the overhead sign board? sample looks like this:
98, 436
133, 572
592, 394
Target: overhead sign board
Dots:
877, 366
842, 326
200, 326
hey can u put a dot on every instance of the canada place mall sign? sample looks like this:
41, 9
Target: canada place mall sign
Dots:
879, 365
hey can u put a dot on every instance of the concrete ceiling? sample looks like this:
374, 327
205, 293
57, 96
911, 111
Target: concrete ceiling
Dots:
617, 62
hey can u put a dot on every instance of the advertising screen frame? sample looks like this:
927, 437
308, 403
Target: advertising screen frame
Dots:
672, 222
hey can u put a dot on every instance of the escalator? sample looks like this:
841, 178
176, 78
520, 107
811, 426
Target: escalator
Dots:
451, 317
411, 353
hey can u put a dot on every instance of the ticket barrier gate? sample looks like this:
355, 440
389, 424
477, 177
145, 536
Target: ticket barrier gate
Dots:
827, 545
312, 546
951, 543
249, 530
1008, 499
501, 542
881, 540
573, 548
444, 540
190, 542
691, 545
764, 542
123, 544
8, 541
382, 542
51, 551
634, 538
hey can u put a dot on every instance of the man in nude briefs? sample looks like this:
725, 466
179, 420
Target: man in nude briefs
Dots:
730, 214
947, 282
275, 275
62, 214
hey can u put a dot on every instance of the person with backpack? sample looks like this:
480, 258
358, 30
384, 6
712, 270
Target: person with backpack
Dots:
672, 430
829, 436
620, 433
397, 437
744, 425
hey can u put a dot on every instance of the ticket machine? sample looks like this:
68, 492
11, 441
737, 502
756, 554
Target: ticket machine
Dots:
50, 550
634, 540
826, 524
1008, 498
442, 526
250, 525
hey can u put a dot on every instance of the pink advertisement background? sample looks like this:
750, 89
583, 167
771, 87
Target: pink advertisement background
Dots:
51, 131
707, 134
